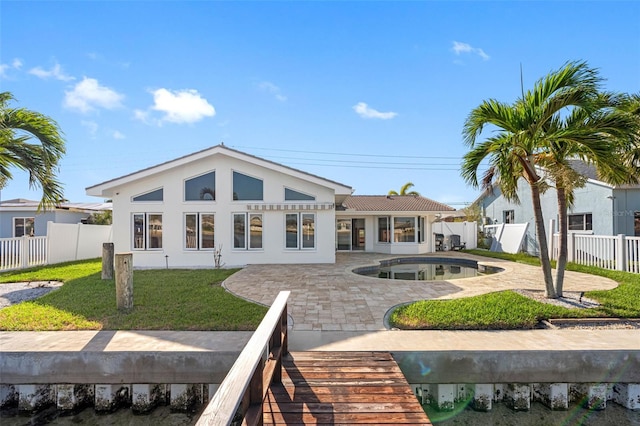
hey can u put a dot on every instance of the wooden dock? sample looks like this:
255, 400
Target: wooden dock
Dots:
342, 388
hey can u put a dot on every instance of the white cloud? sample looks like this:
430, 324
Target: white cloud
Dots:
91, 126
364, 111
180, 106
141, 115
16, 64
55, 72
267, 86
118, 135
459, 47
88, 95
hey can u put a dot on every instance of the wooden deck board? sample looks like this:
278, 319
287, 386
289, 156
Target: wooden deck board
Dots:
342, 388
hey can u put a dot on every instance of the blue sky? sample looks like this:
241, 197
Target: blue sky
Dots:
369, 94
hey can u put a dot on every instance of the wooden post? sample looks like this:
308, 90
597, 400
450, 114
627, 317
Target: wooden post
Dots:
107, 261
124, 280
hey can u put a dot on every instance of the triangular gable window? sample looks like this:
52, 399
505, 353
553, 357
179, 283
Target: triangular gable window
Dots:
247, 188
291, 195
157, 195
201, 188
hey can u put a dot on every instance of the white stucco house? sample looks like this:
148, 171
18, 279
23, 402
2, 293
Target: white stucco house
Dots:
599, 208
255, 211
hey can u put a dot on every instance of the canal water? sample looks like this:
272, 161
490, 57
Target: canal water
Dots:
160, 416
463, 415
538, 415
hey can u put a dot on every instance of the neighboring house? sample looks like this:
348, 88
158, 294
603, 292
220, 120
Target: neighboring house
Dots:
20, 217
255, 211
598, 208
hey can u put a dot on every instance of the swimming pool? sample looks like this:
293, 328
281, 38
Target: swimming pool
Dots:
426, 269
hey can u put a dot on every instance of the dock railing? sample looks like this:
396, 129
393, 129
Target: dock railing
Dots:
240, 396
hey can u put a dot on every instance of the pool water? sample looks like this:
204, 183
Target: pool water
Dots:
426, 269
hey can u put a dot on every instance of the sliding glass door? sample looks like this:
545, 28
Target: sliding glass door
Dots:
350, 234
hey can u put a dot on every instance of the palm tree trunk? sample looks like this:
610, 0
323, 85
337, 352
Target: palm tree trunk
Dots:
550, 291
562, 255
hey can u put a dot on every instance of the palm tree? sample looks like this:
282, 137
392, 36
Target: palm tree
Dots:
522, 133
18, 127
404, 190
602, 136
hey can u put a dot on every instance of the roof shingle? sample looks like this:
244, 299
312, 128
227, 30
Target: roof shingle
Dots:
394, 203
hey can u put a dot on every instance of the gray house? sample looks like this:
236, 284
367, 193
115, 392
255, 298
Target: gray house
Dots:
20, 217
599, 208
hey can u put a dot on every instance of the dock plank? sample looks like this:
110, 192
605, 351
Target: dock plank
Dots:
342, 388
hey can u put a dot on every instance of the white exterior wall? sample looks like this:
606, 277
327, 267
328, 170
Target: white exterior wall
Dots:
626, 204
173, 208
466, 230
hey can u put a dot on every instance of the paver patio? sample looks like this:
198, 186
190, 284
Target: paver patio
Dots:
329, 297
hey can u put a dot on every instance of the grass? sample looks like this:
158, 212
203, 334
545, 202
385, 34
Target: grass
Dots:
163, 300
194, 300
509, 310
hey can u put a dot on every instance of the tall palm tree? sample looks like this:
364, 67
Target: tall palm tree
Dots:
521, 133
602, 136
19, 127
404, 190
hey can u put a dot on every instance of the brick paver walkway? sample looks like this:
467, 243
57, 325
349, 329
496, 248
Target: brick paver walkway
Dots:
329, 297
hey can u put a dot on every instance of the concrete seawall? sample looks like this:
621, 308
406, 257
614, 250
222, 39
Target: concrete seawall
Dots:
143, 369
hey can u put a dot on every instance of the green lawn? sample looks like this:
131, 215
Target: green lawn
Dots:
509, 310
194, 300
173, 299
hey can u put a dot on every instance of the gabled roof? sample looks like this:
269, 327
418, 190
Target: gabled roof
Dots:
590, 172
394, 203
587, 170
104, 189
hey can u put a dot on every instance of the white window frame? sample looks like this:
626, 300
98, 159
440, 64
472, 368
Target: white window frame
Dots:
184, 188
247, 231
145, 230
584, 222
508, 216
415, 230
133, 198
199, 232
233, 188
388, 218
24, 226
300, 231
313, 197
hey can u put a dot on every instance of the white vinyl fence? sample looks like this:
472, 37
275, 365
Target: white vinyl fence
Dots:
22, 252
617, 252
64, 242
76, 241
506, 237
468, 232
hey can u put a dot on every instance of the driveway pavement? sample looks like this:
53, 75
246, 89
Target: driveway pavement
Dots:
330, 297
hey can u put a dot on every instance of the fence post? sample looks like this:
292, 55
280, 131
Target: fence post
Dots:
571, 247
551, 239
107, 261
24, 252
124, 281
621, 253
